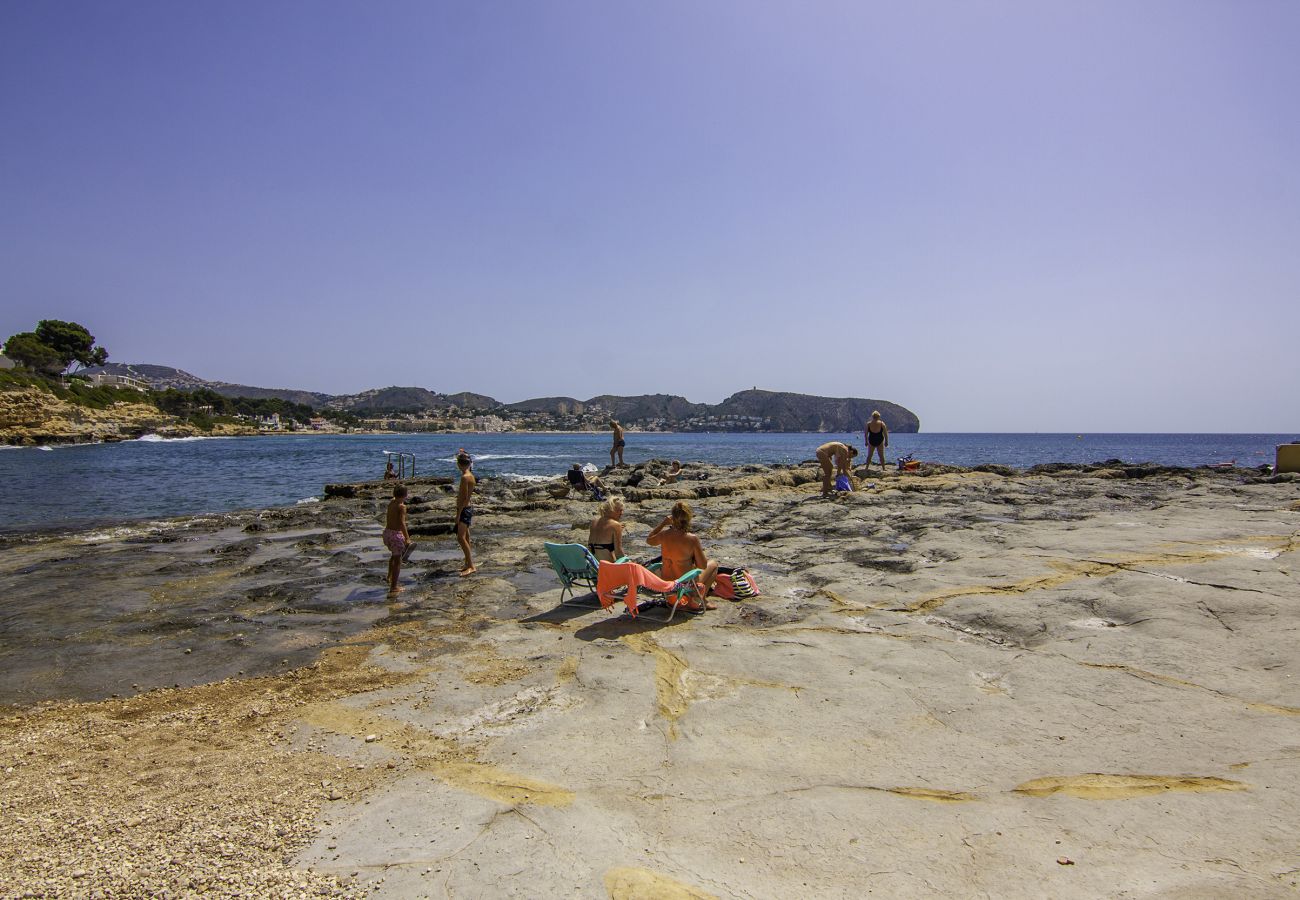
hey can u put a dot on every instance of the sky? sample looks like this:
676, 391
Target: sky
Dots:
1005, 216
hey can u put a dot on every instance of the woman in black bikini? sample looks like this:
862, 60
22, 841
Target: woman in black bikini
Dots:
877, 438
605, 539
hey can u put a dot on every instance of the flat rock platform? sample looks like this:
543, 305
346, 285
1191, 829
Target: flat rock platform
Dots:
1068, 682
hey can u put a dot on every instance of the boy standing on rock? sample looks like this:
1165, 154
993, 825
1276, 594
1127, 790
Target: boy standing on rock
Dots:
465, 512
397, 538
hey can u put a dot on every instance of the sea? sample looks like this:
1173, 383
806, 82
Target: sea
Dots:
77, 486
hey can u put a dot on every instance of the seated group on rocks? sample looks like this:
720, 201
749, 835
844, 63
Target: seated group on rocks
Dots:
680, 548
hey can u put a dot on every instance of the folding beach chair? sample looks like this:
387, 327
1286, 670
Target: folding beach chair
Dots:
615, 577
578, 480
575, 566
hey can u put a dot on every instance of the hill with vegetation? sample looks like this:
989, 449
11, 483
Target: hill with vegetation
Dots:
806, 412
164, 377
751, 410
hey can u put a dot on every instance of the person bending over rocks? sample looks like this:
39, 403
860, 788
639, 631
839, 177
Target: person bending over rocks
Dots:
682, 552
465, 512
841, 454
605, 539
397, 538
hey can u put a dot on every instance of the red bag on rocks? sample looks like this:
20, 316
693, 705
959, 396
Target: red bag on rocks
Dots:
735, 584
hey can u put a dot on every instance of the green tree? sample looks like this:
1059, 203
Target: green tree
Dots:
72, 342
27, 349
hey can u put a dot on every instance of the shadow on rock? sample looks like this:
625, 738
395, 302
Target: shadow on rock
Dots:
585, 603
621, 626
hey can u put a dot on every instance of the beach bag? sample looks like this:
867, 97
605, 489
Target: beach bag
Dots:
842, 483
735, 584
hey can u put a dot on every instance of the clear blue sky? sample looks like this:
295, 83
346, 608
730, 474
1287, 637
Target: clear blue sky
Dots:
1035, 216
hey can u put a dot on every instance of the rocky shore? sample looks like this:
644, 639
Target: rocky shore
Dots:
1075, 681
30, 417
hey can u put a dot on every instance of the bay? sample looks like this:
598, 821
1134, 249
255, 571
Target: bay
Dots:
82, 485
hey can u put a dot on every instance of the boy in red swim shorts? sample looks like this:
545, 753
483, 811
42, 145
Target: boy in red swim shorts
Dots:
396, 538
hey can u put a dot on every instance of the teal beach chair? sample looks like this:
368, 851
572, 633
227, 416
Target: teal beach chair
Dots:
575, 566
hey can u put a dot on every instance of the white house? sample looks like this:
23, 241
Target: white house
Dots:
102, 378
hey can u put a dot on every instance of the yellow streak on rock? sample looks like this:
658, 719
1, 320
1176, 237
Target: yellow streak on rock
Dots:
568, 670
1178, 682
1147, 676
850, 632
497, 784
1072, 571
1066, 573
442, 758
841, 604
670, 679
628, 883
1097, 786
932, 794
671, 694
1275, 710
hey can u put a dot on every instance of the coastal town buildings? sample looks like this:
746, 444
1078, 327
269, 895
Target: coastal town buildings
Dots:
104, 379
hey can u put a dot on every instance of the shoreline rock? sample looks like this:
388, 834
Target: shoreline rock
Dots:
33, 417
949, 683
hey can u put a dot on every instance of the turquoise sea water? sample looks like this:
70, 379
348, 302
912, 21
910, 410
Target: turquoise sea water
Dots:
82, 485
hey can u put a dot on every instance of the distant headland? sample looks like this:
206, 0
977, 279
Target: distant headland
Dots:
420, 409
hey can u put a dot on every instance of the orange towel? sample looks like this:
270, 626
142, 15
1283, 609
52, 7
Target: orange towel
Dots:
630, 575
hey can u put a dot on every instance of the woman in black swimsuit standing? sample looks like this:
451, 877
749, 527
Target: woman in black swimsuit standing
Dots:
605, 539
877, 438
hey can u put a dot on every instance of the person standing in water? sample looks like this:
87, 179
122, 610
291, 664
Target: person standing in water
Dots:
877, 438
618, 443
465, 512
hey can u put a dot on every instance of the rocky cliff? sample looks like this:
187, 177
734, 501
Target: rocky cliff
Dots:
805, 412
32, 416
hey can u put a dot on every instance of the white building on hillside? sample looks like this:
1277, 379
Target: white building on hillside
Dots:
124, 381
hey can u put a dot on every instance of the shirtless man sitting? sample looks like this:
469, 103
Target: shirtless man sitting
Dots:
842, 455
682, 552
